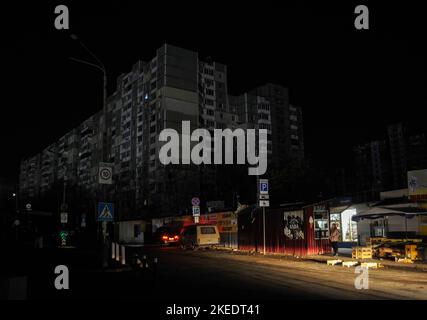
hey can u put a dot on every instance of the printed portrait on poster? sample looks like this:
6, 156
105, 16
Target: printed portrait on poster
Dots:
293, 225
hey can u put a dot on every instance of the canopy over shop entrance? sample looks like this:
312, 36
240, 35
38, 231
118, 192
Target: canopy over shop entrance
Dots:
399, 210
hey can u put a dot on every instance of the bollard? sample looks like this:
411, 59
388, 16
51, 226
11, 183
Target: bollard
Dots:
113, 250
155, 266
117, 252
123, 255
135, 260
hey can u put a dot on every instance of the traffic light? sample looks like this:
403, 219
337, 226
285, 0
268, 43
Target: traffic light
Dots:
63, 236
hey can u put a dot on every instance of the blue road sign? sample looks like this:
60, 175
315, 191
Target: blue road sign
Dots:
263, 186
105, 211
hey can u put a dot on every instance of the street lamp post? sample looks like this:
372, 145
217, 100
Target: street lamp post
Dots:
15, 195
100, 66
64, 191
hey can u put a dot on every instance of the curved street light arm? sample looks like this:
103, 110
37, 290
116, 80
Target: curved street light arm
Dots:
88, 63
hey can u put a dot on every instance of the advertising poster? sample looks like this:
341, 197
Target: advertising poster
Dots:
293, 225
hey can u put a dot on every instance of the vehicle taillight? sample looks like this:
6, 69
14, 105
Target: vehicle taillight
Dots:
176, 237
165, 237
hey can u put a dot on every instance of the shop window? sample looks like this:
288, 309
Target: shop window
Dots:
321, 222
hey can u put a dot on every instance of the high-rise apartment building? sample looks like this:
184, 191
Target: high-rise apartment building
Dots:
267, 107
174, 86
383, 165
372, 166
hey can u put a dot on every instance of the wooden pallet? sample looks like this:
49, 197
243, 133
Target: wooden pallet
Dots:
361, 253
368, 265
373, 241
349, 264
404, 260
333, 262
411, 251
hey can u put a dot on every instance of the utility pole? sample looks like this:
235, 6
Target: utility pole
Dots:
16, 210
16, 199
65, 187
100, 66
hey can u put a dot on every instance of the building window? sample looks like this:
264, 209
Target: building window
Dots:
209, 71
210, 123
153, 85
264, 126
293, 117
210, 112
263, 116
209, 102
264, 106
209, 92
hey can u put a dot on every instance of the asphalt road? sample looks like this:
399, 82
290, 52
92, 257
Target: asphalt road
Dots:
201, 276
216, 275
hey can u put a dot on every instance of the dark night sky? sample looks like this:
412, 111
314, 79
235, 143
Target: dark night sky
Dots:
350, 83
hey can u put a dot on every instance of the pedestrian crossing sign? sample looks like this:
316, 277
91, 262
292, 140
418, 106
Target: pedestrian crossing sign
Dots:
105, 211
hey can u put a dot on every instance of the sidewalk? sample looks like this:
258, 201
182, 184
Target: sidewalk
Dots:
344, 255
418, 266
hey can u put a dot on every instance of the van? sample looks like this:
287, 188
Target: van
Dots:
199, 235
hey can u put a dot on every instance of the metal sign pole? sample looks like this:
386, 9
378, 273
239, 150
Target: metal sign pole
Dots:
263, 225
104, 227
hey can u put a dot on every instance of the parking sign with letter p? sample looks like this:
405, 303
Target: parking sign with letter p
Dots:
263, 186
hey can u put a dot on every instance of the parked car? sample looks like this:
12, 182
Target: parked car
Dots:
166, 236
197, 235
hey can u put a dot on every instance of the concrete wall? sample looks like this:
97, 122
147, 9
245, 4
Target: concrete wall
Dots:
127, 231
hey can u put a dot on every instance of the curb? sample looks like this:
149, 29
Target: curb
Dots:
387, 264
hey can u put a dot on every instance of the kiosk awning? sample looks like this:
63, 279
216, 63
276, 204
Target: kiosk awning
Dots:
378, 212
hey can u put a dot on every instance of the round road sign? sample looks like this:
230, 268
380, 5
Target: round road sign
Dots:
105, 173
195, 201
